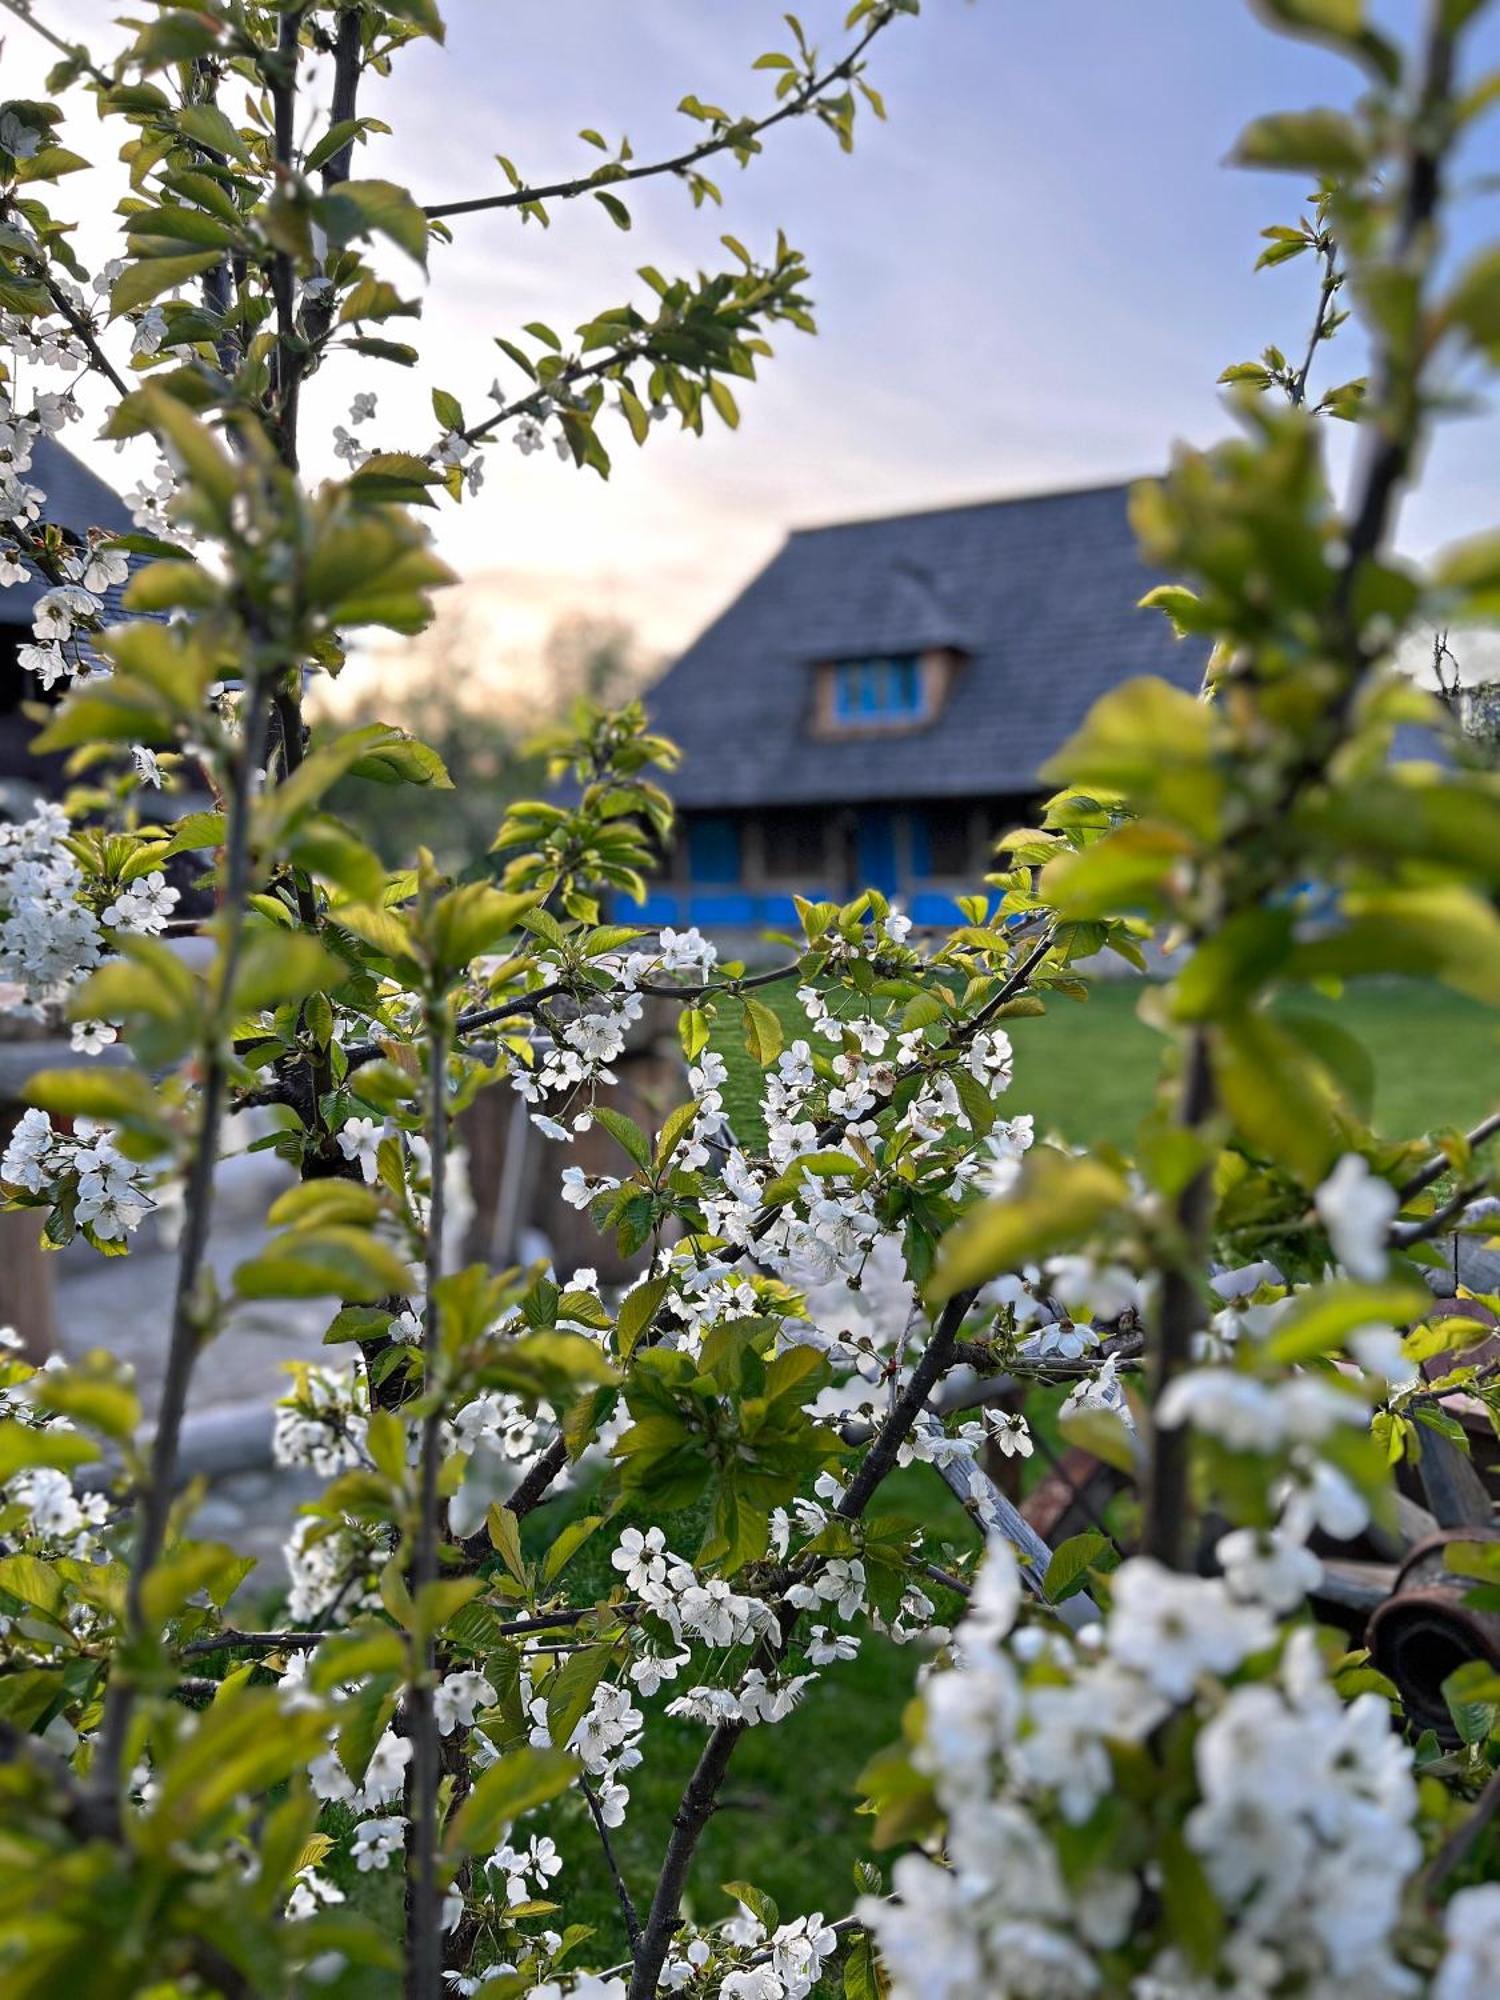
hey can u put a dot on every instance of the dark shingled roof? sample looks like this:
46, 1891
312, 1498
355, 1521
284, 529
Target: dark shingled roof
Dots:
1040, 593
76, 499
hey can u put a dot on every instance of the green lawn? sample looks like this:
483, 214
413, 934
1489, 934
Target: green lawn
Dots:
1087, 1069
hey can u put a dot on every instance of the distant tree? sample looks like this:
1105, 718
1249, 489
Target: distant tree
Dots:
593, 659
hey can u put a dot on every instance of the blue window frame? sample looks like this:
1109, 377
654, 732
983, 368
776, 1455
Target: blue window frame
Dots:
878, 691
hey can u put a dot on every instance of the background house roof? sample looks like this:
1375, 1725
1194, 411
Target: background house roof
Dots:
1040, 592
76, 499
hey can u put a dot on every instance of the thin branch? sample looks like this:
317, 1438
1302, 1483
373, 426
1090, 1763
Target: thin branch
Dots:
1456, 1848
622, 1888
739, 136
936, 1574
294, 1642
253, 1642
74, 51
536, 400
700, 1797
1180, 1314
424, 1933
1401, 1235
1332, 279
191, 1304
1440, 1164
80, 326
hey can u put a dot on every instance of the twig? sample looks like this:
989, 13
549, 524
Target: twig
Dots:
936, 1574
1440, 1164
622, 1889
190, 1305
1332, 279
1401, 1235
254, 1642
81, 329
74, 51
424, 1932
736, 137
1456, 1848
1165, 1529
698, 1800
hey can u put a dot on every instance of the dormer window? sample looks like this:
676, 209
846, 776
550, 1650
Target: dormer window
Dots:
883, 693
871, 692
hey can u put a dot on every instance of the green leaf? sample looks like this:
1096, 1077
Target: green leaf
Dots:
566, 1545
719, 395
637, 1310
626, 1133
1284, 1102
310, 1204
1058, 1202
356, 208
471, 920
864, 1976
519, 1781
238, 1748
335, 1261
278, 966
120, 1096
1320, 1321
505, 1538
1308, 142
208, 125
675, 1128
1152, 743
146, 278
614, 208
1473, 305
1072, 1560
1341, 23
23, 1446
571, 1690
1442, 932
763, 1032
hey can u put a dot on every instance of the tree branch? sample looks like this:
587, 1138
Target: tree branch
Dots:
1456, 1848
622, 1890
1434, 1169
740, 136
424, 1933
1165, 1528
698, 1800
191, 1303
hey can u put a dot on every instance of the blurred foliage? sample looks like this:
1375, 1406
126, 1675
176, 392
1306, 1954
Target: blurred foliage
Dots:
482, 728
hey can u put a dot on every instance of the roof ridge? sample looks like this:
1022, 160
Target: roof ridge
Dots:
970, 506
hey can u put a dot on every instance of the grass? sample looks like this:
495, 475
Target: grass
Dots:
1087, 1070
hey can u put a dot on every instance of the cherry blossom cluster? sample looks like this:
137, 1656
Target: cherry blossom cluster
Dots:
1300, 1811
81, 1176
49, 937
747, 1959
69, 611
44, 1510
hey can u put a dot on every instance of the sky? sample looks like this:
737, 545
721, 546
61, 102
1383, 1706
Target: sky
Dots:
1028, 278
